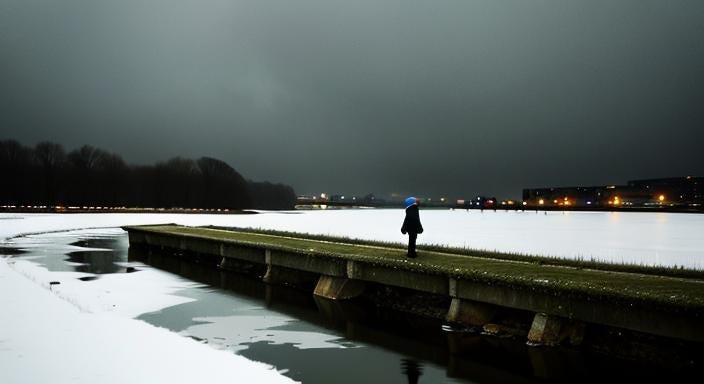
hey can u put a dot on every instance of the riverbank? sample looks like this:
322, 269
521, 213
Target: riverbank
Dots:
46, 339
517, 206
44, 209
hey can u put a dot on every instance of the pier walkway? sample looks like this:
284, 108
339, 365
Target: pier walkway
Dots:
564, 299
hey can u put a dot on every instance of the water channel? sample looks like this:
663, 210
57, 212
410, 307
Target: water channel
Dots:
308, 339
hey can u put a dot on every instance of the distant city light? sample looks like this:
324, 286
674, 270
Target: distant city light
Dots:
322, 195
525, 203
617, 200
541, 201
661, 198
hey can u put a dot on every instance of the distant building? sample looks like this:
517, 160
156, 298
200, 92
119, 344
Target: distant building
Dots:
673, 191
369, 198
567, 195
477, 202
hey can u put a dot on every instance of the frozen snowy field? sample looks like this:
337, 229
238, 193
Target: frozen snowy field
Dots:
86, 330
631, 237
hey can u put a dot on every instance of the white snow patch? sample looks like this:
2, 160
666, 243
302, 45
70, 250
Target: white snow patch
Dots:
251, 327
116, 292
47, 340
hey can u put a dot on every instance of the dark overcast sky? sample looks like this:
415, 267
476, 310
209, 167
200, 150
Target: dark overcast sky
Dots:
452, 97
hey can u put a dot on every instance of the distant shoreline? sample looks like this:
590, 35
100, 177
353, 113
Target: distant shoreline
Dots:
342, 206
516, 207
128, 210
594, 209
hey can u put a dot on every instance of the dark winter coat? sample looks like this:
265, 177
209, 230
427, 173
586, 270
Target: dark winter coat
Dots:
411, 224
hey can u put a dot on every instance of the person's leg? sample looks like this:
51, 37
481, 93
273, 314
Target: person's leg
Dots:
412, 244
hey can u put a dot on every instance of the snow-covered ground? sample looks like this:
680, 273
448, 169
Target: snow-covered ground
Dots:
44, 339
631, 237
243, 324
86, 331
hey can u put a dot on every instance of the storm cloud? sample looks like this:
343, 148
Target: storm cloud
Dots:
444, 97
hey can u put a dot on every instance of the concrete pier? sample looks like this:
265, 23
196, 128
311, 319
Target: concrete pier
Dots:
562, 301
338, 288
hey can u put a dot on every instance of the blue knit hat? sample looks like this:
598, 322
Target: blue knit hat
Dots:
409, 201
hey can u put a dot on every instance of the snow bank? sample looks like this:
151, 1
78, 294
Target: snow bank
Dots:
44, 339
115, 293
632, 237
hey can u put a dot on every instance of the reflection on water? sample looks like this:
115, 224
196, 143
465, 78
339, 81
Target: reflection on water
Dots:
412, 369
97, 262
320, 341
96, 254
316, 340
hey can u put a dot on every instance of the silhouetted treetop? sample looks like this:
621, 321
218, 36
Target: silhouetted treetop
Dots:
89, 176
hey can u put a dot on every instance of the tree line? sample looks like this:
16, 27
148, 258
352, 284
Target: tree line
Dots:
87, 176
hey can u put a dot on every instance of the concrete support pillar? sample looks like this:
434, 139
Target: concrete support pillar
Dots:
338, 288
286, 276
553, 330
545, 330
273, 275
470, 312
225, 263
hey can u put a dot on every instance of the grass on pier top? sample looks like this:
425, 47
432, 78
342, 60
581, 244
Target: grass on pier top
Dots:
660, 270
666, 292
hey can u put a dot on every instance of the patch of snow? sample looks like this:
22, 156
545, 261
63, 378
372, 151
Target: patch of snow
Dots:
252, 325
114, 292
47, 340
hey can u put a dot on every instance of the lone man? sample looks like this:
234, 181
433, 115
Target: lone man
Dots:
411, 224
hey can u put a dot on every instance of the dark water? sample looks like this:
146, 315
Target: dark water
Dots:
320, 341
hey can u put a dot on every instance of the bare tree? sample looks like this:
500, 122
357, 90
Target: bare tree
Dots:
92, 176
51, 157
